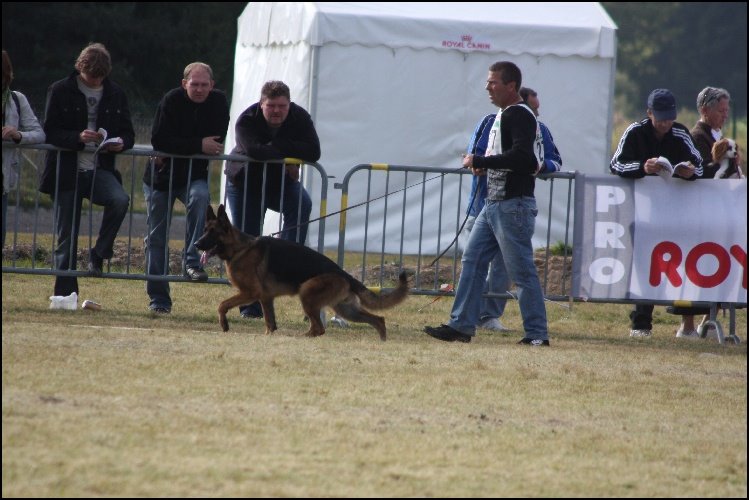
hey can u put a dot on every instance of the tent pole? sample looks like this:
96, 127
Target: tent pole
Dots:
312, 106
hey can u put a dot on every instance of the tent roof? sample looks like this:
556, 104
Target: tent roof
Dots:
546, 28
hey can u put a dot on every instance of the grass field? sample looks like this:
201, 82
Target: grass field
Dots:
122, 403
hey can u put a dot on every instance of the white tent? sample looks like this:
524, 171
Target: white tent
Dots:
403, 83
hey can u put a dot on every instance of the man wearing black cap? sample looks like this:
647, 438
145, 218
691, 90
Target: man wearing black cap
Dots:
637, 155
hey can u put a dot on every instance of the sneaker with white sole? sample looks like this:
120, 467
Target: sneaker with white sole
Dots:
687, 334
339, 322
493, 324
640, 333
711, 333
534, 342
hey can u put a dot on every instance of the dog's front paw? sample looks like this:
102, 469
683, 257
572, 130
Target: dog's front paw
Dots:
314, 333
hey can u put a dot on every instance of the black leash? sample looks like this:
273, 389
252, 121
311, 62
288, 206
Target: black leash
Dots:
468, 211
470, 205
369, 201
457, 234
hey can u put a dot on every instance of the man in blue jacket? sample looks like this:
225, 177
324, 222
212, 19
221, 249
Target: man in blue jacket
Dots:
552, 159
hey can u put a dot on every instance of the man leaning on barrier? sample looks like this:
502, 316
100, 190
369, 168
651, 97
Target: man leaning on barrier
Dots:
640, 153
190, 120
713, 106
272, 129
78, 108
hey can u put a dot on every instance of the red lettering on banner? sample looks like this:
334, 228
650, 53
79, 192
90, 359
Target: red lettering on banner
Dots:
740, 255
667, 256
724, 265
466, 42
659, 265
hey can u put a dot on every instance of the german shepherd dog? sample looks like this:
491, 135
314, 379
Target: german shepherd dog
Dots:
263, 268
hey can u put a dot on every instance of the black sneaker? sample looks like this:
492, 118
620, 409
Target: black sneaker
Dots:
534, 342
160, 310
196, 274
447, 333
95, 264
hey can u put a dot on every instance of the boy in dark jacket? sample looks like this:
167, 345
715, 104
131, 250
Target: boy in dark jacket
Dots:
78, 108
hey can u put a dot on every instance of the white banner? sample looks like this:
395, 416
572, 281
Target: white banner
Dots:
660, 239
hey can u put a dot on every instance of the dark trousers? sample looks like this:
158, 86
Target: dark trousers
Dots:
101, 188
248, 213
642, 317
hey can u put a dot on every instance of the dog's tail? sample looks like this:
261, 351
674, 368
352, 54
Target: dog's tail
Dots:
375, 301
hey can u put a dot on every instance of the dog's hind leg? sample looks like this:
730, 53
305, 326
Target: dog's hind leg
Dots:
316, 328
312, 307
269, 314
316, 293
230, 303
350, 310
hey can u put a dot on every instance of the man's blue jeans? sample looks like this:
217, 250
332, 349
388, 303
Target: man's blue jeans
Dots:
160, 204
248, 211
102, 188
505, 228
496, 282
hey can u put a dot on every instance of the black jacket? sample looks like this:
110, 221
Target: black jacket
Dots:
639, 143
66, 116
295, 138
179, 128
511, 174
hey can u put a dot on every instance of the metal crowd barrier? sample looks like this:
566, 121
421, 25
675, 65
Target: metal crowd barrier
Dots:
405, 188
451, 207
26, 198
413, 196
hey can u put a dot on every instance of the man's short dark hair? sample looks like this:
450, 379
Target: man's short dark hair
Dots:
526, 92
509, 71
274, 89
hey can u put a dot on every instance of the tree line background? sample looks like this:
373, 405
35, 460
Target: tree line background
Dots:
681, 46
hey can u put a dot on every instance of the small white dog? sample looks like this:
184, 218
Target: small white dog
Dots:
724, 152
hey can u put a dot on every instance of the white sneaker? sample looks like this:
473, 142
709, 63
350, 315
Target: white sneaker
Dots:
712, 332
640, 333
493, 324
687, 334
339, 322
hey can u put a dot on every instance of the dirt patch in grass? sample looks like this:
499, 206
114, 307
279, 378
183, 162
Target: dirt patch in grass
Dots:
555, 277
